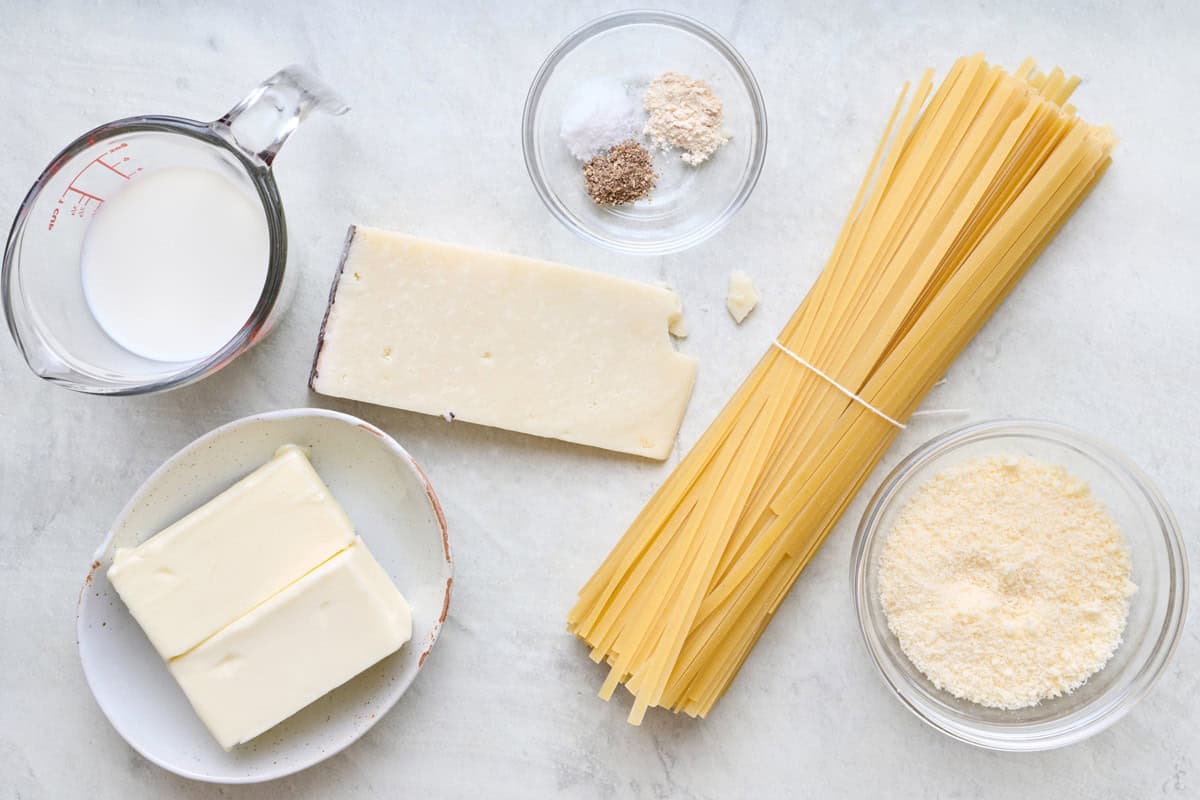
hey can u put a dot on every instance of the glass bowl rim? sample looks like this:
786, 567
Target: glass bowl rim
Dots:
1144, 674
641, 17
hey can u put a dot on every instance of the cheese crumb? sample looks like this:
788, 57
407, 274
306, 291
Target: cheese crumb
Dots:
1006, 582
742, 297
676, 324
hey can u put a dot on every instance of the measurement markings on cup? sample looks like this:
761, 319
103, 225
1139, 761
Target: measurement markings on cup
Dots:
86, 195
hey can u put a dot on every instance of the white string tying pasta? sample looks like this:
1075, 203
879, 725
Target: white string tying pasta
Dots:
838, 386
927, 413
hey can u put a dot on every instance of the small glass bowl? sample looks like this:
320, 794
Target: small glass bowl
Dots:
1156, 611
688, 204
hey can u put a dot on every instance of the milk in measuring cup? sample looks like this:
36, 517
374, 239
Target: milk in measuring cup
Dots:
175, 262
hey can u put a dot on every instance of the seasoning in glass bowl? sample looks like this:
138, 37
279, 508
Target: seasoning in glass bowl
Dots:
600, 113
685, 114
625, 174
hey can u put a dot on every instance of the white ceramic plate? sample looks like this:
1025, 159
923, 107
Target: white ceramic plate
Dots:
394, 509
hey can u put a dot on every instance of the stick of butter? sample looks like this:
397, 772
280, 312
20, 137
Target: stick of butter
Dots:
200, 574
303, 642
501, 340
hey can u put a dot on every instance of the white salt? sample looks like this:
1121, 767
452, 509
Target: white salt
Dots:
601, 113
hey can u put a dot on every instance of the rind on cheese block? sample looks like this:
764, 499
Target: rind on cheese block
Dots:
198, 575
505, 341
302, 643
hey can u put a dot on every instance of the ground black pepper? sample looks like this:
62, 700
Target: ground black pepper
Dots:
624, 174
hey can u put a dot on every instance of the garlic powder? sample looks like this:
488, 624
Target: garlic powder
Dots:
684, 113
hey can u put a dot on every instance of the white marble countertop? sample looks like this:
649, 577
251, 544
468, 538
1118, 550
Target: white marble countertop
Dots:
1104, 334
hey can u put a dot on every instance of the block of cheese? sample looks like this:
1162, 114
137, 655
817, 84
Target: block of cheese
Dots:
200, 574
501, 340
303, 642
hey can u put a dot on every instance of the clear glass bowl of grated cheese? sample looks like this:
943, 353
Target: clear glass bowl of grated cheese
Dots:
1156, 611
628, 50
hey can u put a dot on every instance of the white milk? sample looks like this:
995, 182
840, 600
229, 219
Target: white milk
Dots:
175, 262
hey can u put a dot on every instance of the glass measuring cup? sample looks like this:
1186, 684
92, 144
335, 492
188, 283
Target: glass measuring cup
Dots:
41, 286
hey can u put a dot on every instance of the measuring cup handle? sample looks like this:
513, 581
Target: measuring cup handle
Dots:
264, 120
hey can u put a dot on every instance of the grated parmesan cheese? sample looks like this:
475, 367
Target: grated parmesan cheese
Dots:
1006, 582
